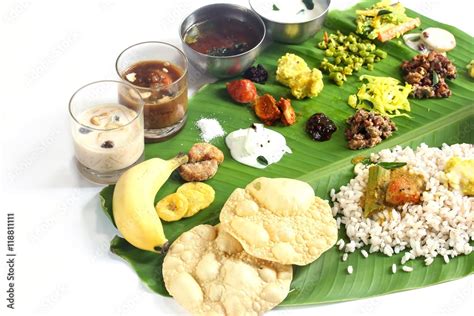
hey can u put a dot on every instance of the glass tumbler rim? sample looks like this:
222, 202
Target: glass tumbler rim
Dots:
183, 55
138, 113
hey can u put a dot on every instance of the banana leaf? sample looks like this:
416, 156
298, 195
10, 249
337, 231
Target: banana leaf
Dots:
324, 165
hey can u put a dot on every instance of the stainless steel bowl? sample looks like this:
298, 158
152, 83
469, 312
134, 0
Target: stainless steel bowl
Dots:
223, 66
295, 33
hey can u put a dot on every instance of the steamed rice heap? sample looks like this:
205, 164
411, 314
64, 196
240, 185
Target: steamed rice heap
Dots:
442, 224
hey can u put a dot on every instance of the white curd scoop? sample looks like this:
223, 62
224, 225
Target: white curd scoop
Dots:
257, 146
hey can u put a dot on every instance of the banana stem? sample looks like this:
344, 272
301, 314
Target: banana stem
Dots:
162, 249
179, 160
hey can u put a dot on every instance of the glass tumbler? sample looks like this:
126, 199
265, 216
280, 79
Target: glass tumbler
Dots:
159, 72
108, 135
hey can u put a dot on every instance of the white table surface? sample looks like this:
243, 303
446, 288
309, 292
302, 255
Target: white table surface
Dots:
63, 265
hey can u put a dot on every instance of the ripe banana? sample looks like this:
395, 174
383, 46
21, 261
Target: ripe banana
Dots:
133, 202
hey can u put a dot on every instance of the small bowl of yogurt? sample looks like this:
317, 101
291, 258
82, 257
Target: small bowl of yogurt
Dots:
108, 136
291, 21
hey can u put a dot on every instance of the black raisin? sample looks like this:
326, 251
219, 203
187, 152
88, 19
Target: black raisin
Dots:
107, 144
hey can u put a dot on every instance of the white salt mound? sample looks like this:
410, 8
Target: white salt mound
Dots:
210, 129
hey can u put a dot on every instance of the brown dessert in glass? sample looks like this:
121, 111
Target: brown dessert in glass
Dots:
159, 72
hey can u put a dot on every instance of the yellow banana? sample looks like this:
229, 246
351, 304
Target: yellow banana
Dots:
133, 202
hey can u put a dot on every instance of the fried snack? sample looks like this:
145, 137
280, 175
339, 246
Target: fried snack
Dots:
198, 171
199, 196
204, 160
280, 220
266, 110
204, 151
288, 115
172, 207
208, 273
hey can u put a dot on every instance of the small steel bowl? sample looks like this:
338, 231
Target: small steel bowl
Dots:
294, 33
223, 66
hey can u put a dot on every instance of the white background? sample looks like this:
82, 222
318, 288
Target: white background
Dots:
48, 50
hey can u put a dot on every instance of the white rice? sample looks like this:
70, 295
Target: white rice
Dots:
350, 269
394, 268
407, 269
443, 224
344, 256
341, 244
446, 258
364, 253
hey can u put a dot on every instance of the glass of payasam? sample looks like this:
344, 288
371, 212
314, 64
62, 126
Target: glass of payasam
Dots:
108, 135
159, 72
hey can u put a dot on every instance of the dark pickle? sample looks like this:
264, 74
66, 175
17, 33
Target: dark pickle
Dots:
256, 74
320, 127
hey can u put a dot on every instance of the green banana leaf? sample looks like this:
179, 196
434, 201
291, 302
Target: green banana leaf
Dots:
324, 165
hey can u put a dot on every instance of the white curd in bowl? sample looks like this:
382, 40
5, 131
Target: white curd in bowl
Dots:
287, 11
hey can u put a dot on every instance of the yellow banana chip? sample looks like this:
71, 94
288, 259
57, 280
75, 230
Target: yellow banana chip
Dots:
172, 207
199, 195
